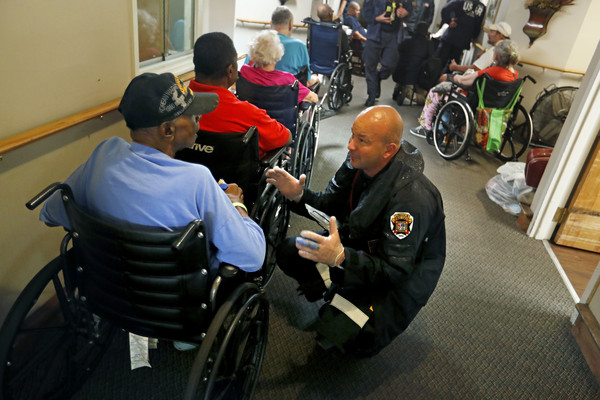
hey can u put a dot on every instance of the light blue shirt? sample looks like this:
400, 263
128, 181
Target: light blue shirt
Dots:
144, 186
295, 56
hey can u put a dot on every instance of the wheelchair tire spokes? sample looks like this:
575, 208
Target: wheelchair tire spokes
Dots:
304, 152
517, 136
340, 87
451, 130
50, 343
230, 358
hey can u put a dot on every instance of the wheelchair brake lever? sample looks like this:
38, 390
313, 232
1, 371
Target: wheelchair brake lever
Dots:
47, 192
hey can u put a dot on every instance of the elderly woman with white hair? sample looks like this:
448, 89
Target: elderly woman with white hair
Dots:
265, 50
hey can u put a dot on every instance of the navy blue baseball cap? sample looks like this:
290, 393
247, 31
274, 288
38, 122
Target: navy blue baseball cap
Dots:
151, 99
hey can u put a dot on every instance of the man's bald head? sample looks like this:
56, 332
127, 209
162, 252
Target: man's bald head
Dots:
383, 121
325, 13
376, 138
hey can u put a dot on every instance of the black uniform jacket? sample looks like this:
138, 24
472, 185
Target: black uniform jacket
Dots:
394, 238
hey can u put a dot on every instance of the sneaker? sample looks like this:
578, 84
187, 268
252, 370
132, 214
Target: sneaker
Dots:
184, 346
326, 113
419, 131
370, 102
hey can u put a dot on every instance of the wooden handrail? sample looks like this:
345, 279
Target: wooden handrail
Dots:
252, 21
19, 140
568, 71
33, 135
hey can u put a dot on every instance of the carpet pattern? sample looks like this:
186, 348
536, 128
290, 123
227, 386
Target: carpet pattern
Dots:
497, 326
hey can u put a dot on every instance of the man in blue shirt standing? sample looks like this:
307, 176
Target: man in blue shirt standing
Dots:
295, 57
142, 184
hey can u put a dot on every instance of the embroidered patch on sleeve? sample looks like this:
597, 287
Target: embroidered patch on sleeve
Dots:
401, 224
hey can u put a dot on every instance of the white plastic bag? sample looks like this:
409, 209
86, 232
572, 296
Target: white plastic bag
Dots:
501, 193
506, 188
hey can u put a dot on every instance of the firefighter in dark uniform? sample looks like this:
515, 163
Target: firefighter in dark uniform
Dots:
381, 265
385, 31
465, 20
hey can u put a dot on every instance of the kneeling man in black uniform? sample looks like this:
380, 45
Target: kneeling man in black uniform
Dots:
385, 248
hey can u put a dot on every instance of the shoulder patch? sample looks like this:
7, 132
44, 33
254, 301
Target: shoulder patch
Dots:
401, 224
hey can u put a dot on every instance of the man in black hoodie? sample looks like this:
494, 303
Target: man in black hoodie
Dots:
381, 265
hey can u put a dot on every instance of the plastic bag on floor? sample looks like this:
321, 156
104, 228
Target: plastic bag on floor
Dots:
506, 188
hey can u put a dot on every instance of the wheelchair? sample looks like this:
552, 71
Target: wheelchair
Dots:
144, 280
324, 43
234, 157
281, 103
455, 124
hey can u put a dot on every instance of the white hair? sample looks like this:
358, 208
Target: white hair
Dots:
265, 48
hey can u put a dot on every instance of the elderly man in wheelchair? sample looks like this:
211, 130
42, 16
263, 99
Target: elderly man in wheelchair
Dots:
447, 118
136, 261
330, 56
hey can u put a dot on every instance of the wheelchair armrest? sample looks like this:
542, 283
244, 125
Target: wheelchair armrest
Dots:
226, 273
304, 105
464, 87
47, 192
272, 156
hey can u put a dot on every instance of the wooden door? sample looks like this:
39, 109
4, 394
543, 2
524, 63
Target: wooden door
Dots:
580, 228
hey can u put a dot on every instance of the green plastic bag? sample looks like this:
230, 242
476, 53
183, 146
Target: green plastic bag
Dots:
491, 122
496, 127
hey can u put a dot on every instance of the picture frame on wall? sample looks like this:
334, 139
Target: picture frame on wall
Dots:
492, 11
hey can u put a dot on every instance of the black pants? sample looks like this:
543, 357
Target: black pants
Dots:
447, 52
302, 270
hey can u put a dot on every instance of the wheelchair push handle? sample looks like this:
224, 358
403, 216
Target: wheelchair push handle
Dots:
530, 78
191, 229
47, 192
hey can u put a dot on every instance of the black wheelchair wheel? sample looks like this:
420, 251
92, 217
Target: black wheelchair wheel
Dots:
335, 94
347, 86
452, 130
273, 216
50, 343
517, 136
304, 152
230, 358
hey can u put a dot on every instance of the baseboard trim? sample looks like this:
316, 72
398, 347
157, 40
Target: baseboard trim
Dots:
586, 331
561, 271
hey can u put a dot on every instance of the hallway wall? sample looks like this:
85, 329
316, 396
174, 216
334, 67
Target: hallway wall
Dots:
64, 57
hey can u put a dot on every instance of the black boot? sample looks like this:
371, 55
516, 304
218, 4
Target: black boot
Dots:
396, 91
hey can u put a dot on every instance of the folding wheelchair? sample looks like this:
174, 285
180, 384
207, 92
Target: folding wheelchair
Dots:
324, 42
455, 124
144, 280
234, 157
281, 103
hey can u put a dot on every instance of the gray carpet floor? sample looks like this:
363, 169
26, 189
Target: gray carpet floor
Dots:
497, 326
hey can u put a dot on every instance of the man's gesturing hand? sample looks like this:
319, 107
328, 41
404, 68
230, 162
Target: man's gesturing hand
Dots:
325, 249
289, 186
